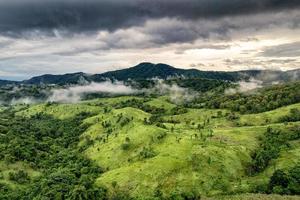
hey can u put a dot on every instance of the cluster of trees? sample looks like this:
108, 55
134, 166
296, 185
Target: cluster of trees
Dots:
200, 84
271, 144
19, 176
95, 95
122, 120
156, 120
8, 93
50, 146
285, 182
293, 116
266, 99
140, 104
178, 110
147, 152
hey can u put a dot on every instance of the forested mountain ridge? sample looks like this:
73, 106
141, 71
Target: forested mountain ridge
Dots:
70, 78
7, 82
163, 71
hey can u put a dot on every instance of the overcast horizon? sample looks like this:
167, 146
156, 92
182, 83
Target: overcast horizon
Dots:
66, 36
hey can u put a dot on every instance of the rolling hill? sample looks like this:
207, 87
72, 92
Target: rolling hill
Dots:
187, 155
216, 146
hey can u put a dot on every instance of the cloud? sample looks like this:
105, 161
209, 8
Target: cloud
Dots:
62, 36
18, 16
25, 100
74, 94
164, 31
176, 93
245, 86
283, 50
264, 63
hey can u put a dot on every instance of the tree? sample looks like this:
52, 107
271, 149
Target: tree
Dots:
79, 193
20, 176
279, 178
126, 144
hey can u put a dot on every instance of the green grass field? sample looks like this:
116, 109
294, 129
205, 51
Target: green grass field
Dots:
5, 169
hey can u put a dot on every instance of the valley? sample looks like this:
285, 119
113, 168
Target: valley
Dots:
147, 148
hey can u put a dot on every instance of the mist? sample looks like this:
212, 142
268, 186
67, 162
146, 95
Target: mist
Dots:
75, 93
176, 93
25, 100
245, 86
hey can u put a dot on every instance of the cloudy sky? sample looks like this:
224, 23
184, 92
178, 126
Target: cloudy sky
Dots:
93, 36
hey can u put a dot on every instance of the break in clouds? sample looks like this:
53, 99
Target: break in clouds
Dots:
61, 36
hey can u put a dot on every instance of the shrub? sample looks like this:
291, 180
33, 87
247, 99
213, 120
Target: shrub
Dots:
20, 176
286, 182
126, 144
147, 152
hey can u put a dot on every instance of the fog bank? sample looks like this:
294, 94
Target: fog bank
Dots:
75, 93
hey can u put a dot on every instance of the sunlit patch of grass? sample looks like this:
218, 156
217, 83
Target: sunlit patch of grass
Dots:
61, 111
5, 169
267, 117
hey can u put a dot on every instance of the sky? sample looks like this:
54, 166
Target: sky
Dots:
93, 36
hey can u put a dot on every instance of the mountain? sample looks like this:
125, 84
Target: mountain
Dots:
7, 82
71, 78
141, 71
148, 70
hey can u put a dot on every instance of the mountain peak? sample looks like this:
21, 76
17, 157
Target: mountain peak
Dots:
145, 63
149, 64
149, 67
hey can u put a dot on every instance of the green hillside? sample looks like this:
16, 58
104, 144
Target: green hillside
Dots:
148, 147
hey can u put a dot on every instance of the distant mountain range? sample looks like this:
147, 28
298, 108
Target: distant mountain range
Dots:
163, 71
149, 70
6, 82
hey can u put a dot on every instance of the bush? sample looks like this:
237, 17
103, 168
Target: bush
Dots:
20, 176
232, 116
147, 152
271, 143
126, 144
286, 182
293, 116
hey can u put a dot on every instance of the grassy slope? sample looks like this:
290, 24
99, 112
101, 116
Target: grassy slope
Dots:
267, 117
182, 161
179, 164
5, 169
60, 111
161, 102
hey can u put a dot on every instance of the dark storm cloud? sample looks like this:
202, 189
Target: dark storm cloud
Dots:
77, 15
